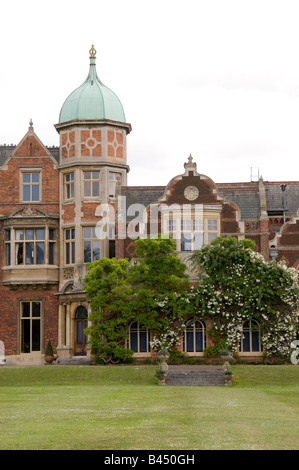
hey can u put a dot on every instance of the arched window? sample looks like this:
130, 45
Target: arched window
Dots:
251, 342
139, 339
194, 337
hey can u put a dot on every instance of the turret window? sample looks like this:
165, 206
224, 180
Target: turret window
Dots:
69, 186
112, 183
91, 181
70, 246
91, 245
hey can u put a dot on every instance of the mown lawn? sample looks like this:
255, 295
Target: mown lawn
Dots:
123, 408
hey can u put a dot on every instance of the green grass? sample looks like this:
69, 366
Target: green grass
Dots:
123, 408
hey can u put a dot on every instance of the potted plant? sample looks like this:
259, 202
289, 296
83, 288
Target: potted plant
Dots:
163, 355
225, 355
161, 375
227, 373
49, 355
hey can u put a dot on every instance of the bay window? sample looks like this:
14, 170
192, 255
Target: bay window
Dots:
191, 226
29, 246
70, 246
91, 182
91, 245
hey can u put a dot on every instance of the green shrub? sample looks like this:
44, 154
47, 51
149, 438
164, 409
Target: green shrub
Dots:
49, 349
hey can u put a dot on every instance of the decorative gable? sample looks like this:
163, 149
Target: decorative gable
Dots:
31, 146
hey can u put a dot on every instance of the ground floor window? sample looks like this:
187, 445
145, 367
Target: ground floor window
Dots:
139, 339
250, 342
30, 314
194, 337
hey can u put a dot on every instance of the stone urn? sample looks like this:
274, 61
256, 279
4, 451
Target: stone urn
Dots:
227, 373
161, 378
163, 358
162, 370
226, 356
228, 378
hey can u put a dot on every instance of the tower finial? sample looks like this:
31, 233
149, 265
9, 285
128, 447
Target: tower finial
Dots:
30, 125
92, 52
190, 158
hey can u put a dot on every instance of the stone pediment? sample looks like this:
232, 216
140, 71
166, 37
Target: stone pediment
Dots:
28, 212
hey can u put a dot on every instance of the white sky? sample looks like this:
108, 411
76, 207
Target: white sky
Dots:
215, 78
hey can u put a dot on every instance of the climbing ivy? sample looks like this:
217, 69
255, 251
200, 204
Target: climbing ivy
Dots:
151, 291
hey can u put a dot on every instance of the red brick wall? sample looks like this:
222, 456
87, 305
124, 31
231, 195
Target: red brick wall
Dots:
29, 153
9, 325
68, 213
10, 187
204, 186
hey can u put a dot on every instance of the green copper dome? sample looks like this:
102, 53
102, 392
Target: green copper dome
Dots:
92, 100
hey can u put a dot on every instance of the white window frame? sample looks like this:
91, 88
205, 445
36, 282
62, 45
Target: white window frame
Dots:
30, 318
11, 246
69, 186
112, 182
30, 171
191, 220
250, 330
184, 337
90, 181
139, 330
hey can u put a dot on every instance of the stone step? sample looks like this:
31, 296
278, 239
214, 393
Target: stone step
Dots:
73, 361
195, 378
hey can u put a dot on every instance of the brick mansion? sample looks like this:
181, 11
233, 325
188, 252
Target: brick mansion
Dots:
50, 205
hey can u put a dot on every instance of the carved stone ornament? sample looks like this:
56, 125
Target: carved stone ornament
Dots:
68, 273
191, 193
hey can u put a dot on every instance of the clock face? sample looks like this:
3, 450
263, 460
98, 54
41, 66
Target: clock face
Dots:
191, 193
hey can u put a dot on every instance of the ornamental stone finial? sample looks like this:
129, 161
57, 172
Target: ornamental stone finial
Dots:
190, 165
92, 52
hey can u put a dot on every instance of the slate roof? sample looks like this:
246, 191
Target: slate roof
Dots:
274, 196
245, 196
6, 150
144, 195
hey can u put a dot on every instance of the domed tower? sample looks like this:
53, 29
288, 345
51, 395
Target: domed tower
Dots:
93, 161
93, 127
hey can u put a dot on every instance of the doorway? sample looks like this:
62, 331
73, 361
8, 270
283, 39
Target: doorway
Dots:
81, 322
